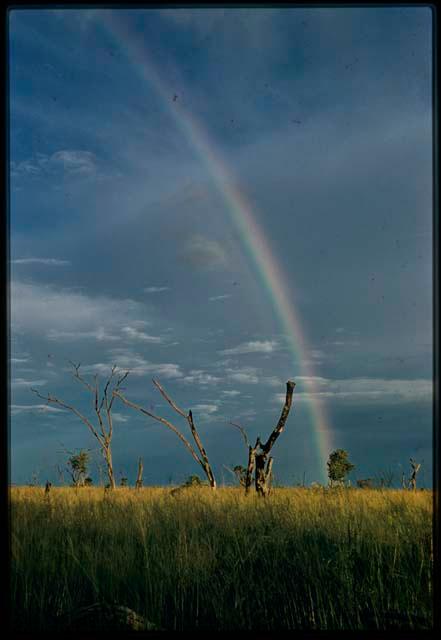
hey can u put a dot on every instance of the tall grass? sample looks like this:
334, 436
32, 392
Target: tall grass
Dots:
301, 559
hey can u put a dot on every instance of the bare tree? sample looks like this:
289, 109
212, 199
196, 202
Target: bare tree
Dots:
259, 461
403, 480
103, 430
138, 483
415, 468
202, 458
60, 473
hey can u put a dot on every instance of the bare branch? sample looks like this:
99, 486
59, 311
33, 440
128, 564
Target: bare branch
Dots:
80, 378
266, 448
117, 387
243, 432
230, 470
98, 409
123, 377
106, 386
206, 464
169, 400
162, 420
52, 399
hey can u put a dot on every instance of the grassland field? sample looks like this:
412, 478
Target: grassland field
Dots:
300, 559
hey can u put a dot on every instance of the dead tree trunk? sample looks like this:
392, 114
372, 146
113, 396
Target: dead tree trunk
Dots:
202, 458
415, 468
110, 473
403, 481
259, 460
103, 428
138, 483
250, 468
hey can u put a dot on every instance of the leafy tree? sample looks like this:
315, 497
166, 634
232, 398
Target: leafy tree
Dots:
124, 481
77, 465
88, 481
241, 474
339, 466
193, 481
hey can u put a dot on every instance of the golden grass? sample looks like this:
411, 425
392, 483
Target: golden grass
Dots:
302, 558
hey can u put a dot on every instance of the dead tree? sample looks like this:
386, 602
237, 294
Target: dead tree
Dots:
138, 483
403, 480
202, 458
415, 468
103, 430
259, 461
60, 473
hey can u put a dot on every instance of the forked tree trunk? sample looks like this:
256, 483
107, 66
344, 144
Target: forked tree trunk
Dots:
412, 480
258, 456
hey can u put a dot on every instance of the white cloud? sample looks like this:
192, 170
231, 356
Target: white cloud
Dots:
135, 334
205, 408
197, 376
136, 364
21, 382
119, 417
19, 360
41, 408
257, 346
272, 381
100, 334
361, 390
67, 314
244, 375
156, 289
47, 261
67, 161
202, 252
223, 297
231, 394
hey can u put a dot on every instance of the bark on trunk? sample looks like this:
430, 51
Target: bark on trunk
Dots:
108, 457
250, 468
259, 458
260, 478
138, 483
209, 473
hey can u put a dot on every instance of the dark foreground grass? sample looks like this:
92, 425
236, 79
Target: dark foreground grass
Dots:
301, 559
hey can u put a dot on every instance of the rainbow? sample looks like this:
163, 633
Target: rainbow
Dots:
238, 208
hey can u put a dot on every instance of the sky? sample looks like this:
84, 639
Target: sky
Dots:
224, 200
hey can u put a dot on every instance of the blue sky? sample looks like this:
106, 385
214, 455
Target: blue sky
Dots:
123, 250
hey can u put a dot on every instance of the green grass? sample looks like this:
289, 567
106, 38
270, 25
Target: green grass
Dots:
301, 559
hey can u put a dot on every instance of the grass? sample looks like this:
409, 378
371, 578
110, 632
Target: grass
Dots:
301, 559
